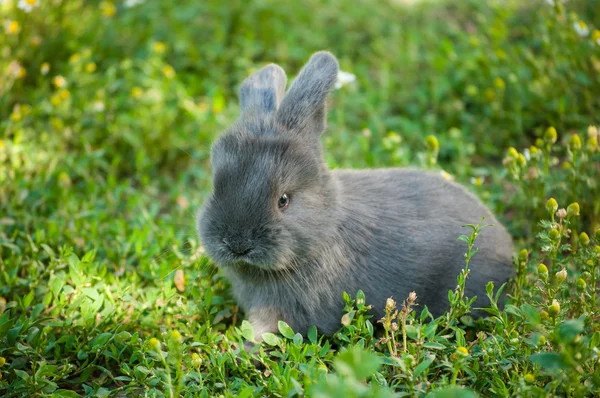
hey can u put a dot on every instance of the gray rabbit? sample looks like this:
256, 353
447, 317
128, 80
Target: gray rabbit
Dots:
292, 235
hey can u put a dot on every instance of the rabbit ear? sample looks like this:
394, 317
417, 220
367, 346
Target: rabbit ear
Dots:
303, 107
262, 91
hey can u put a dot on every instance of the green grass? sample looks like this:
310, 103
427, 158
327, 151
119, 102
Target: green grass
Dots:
106, 118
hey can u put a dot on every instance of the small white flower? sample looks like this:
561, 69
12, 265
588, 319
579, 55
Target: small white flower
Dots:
527, 154
98, 106
27, 5
555, 2
132, 3
446, 175
344, 78
581, 28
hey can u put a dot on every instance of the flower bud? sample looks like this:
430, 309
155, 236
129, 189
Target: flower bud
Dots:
154, 343
592, 144
432, 143
543, 316
554, 309
394, 326
529, 378
521, 160
560, 276
554, 234
462, 351
523, 255
176, 336
196, 360
542, 339
512, 153
2, 361
584, 239
552, 205
581, 285
390, 304
575, 143
550, 136
592, 132
543, 272
561, 213
573, 209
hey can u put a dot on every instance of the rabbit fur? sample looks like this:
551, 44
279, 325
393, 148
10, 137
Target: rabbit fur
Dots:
385, 231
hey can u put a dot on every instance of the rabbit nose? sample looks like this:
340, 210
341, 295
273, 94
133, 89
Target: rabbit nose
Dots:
238, 246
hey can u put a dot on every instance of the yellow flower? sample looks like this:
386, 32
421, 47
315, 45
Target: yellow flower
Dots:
12, 27
168, 71
15, 116
596, 36
499, 83
55, 100
21, 73
64, 94
90, 67
472, 90
59, 81
159, 47
45, 68
136, 92
108, 9
75, 58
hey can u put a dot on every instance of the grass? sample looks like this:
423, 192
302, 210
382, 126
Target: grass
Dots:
107, 112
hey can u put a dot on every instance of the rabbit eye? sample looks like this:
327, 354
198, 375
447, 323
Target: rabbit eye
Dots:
284, 201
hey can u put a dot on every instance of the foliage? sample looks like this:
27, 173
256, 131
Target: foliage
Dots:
107, 111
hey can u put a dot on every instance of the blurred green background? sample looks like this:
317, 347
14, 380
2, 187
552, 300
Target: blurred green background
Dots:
108, 110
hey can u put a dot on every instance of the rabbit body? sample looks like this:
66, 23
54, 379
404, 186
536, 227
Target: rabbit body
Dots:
386, 231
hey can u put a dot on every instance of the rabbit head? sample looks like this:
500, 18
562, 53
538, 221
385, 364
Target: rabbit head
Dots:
273, 197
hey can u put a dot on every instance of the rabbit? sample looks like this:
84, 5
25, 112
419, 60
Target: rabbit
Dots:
291, 235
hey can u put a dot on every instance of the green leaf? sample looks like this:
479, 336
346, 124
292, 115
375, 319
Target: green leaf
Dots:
247, 330
423, 365
100, 340
65, 394
91, 293
453, 392
531, 314
56, 285
271, 339
312, 334
549, 360
357, 363
412, 332
28, 299
434, 346
298, 339
285, 330
23, 375
568, 330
